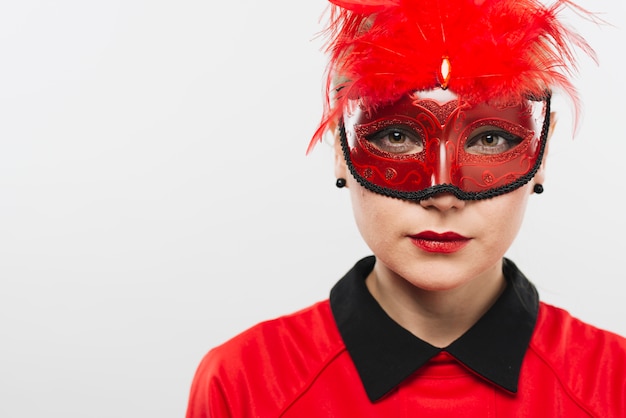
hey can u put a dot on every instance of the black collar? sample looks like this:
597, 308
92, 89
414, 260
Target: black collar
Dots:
385, 354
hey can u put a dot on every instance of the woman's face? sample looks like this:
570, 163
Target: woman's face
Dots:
440, 243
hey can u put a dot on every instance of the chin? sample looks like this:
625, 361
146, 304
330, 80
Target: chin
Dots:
444, 274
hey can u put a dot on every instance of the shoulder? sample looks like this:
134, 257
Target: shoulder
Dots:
556, 328
589, 362
310, 329
278, 357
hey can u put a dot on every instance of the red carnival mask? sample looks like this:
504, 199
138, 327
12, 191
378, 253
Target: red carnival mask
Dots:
420, 146
500, 52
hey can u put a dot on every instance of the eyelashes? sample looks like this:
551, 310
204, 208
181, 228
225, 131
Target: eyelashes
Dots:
398, 139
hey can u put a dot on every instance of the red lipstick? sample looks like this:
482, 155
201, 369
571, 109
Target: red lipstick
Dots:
445, 243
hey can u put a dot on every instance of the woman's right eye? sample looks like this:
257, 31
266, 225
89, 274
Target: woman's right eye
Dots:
397, 141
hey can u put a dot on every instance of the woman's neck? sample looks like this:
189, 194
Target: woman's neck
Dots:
437, 317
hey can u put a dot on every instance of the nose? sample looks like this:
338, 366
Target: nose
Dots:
443, 202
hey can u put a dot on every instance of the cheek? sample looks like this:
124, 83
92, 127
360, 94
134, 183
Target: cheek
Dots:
364, 211
507, 214
376, 216
518, 205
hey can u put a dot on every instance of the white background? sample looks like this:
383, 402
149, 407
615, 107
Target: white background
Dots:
155, 196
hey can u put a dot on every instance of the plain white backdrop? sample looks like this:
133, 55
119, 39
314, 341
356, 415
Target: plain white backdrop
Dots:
156, 199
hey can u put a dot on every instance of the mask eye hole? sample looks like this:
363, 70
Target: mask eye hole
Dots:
491, 140
397, 140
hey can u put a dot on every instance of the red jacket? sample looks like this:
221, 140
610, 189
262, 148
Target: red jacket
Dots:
330, 360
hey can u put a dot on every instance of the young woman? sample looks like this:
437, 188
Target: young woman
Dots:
441, 114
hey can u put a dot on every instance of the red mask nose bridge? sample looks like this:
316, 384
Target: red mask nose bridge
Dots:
445, 162
442, 155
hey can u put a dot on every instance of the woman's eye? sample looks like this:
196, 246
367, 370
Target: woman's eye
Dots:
397, 141
491, 142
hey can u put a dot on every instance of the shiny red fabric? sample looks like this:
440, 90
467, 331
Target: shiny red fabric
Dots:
297, 367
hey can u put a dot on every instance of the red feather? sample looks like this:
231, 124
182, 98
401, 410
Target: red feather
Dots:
500, 51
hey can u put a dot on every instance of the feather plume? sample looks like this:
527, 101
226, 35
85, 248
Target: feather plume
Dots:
499, 51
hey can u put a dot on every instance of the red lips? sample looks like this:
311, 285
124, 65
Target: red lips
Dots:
444, 243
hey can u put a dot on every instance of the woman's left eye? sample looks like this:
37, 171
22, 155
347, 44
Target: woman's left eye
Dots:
491, 142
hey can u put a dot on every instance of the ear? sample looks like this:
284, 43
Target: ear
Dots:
341, 169
541, 173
